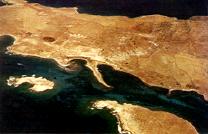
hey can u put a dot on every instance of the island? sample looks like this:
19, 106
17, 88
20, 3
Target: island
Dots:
40, 84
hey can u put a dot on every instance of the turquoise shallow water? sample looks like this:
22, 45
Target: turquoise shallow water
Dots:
66, 107
57, 110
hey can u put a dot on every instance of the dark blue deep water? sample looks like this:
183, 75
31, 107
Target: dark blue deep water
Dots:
182, 9
65, 109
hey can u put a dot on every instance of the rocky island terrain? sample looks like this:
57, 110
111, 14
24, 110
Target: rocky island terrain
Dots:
167, 54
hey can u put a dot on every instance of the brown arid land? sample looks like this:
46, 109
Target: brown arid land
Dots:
132, 120
161, 51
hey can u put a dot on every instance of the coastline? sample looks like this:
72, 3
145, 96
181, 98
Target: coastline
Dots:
128, 125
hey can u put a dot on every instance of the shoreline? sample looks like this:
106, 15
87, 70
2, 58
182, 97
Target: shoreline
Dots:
126, 111
59, 65
39, 84
100, 83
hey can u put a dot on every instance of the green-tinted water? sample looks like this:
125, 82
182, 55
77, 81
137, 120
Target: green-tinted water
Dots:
66, 107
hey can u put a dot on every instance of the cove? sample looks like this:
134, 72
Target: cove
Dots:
66, 107
54, 110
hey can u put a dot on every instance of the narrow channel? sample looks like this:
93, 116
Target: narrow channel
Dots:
66, 107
